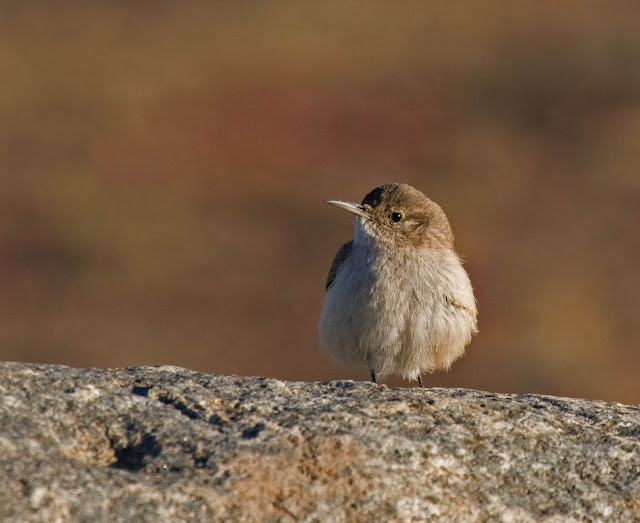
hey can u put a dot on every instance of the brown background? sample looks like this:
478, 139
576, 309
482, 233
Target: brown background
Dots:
163, 168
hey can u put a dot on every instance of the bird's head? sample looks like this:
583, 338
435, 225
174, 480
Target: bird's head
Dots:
397, 215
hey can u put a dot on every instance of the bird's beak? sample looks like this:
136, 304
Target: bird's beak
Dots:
354, 208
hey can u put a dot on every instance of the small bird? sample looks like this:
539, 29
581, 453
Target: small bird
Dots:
397, 298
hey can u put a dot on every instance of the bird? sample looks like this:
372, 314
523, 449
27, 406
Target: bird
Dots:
398, 299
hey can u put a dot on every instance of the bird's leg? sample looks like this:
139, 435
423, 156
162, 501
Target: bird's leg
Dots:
420, 380
373, 375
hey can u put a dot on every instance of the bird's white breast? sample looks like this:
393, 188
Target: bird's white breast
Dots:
401, 311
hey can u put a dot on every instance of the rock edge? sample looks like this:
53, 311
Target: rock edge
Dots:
169, 444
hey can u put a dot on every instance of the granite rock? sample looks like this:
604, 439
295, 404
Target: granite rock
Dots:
169, 444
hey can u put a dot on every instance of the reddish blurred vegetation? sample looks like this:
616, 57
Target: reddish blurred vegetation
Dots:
164, 167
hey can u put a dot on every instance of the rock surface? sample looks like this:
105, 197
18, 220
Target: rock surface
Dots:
169, 444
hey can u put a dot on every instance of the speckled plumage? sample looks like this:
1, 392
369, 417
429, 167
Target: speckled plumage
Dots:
398, 299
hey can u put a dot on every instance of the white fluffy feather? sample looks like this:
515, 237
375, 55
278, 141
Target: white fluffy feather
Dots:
398, 310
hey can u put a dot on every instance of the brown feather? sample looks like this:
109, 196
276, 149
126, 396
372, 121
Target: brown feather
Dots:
341, 256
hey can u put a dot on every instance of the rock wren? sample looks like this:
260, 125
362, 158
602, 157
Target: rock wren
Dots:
398, 299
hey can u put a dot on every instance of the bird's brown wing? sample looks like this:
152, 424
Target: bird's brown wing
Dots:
342, 255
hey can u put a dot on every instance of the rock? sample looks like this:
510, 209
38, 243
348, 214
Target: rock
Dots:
169, 444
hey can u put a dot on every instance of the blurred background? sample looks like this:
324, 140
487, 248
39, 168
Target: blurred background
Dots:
163, 168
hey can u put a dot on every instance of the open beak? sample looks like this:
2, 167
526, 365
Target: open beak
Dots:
354, 208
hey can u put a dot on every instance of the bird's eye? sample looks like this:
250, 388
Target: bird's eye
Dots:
396, 216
